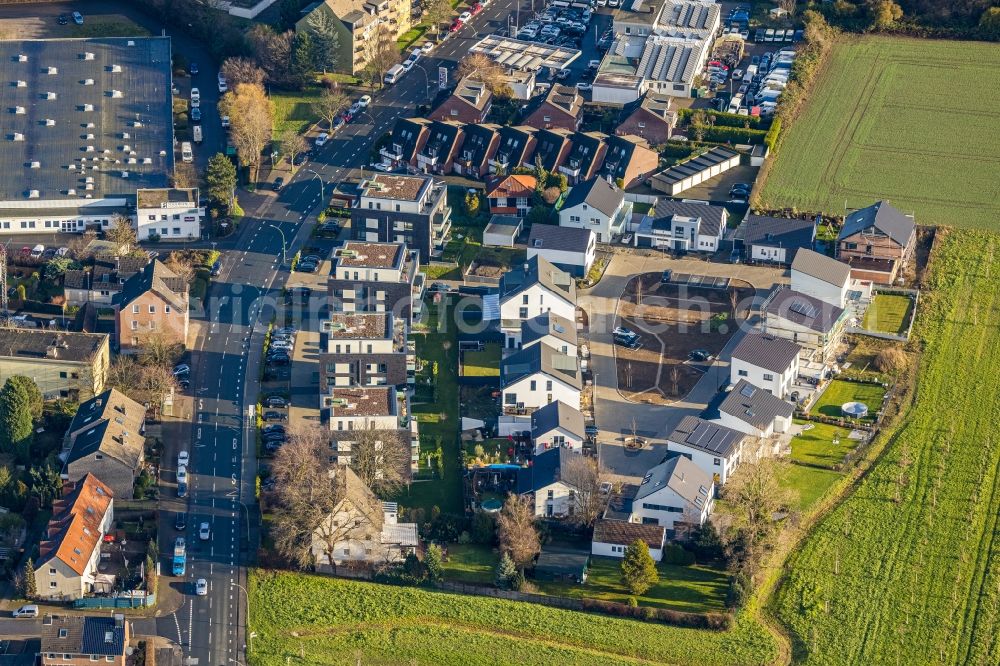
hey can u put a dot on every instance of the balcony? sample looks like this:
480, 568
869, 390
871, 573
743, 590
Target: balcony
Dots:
393, 152
571, 168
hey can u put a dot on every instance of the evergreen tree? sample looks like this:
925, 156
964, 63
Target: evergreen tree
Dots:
433, 562
302, 59
29, 590
325, 41
35, 401
638, 568
506, 572
16, 429
221, 179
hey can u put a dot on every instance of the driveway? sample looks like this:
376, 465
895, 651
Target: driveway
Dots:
615, 416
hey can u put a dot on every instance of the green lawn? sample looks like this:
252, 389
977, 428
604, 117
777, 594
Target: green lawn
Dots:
692, 589
471, 563
111, 25
839, 391
889, 313
908, 120
806, 483
484, 363
815, 446
904, 569
441, 271
306, 619
293, 110
438, 418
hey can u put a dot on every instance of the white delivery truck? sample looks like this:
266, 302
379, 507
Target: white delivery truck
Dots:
750, 73
196, 132
394, 74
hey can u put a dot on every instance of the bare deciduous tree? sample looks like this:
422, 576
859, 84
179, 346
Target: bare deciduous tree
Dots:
483, 68
250, 120
307, 491
273, 50
438, 11
122, 234
584, 476
756, 496
125, 374
516, 530
380, 55
158, 348
78, 244
242, 70
157, 382
787, 5
293, 143
381, 458
330, 104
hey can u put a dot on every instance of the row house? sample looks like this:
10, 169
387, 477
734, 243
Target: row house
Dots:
480, 144
560, 108
470, 103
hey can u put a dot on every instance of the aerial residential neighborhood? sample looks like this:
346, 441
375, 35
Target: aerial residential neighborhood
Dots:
561, 332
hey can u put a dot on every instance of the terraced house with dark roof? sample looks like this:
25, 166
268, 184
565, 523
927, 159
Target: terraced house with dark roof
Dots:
585, 156
480, 143
74, 640
470, 102
628, 161
106, 438
443, 142
561, 108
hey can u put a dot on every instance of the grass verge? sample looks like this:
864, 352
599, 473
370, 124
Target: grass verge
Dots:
321, 621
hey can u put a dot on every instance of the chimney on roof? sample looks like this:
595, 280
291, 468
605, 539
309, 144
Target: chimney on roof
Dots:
119, 620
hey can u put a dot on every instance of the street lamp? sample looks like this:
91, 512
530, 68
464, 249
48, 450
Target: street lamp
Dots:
322, 185
427, 81
250, 634
278, 229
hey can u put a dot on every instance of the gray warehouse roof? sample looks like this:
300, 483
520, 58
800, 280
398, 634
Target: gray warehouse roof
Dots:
103, 104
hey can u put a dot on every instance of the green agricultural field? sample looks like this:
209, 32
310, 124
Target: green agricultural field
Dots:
904, 570
889, 313
316, 620
913, 121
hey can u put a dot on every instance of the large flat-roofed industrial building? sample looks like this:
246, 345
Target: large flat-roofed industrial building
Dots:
86, 123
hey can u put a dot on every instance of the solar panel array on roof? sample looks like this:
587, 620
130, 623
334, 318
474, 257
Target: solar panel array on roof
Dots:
803, 308
681, 171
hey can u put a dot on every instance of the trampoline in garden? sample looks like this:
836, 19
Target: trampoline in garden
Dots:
855, 410
492, 505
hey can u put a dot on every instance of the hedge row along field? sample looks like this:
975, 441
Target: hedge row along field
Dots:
318, 620
907, 569
911, 121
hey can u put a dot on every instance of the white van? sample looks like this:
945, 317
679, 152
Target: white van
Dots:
393, 75
186, 154
31, 610
735, 102
769, 35
37, 251
750, 73
196, 132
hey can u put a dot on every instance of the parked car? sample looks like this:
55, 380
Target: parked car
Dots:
183, 458
182, 489
63, 19
78, 18
28, 610
273, 427
193, 68
700, 355
322, 139
180, 521
365, 101
204, 532
456, 26
278, 183
274, 416
182, 475
279, 359
275, 401
584, 86
476, 8
196, 114
464, 16
182, 369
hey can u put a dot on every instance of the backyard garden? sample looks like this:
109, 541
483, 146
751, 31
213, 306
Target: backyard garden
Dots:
889, 313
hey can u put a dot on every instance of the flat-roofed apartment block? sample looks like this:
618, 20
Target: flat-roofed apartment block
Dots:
403, 209
62, 364
354, 410
376, 277
365, 349
88, 126
355, 23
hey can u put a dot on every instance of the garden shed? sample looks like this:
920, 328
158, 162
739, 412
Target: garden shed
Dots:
564, 566
502, 231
